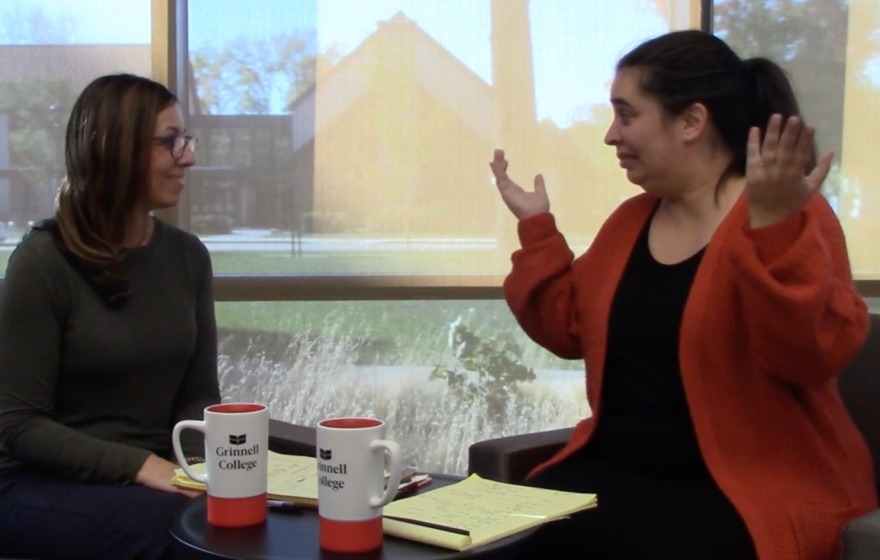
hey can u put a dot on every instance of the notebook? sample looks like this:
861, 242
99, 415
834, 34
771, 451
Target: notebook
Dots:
476, 512
292, 478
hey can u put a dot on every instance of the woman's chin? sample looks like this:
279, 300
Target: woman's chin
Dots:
165, 202
635, 178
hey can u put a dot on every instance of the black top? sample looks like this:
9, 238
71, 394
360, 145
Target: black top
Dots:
657, 499
644, 422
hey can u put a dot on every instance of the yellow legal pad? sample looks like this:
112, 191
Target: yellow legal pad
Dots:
485, 510
292, 478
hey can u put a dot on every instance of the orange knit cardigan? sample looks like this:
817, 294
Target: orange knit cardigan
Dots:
770, 320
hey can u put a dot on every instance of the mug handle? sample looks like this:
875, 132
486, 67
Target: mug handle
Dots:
197, 425
395, 469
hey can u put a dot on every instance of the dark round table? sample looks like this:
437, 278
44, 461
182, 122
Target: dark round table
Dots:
294, 536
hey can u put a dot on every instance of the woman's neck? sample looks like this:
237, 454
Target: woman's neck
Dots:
706, 202
684, 225
138, 231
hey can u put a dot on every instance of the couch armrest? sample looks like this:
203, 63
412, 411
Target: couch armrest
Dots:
291, 439
861, 537
509, 459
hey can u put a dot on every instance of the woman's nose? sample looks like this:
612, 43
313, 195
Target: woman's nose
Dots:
611, 136
187, 158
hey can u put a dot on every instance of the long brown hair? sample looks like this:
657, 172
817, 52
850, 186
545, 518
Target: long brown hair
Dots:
107, 155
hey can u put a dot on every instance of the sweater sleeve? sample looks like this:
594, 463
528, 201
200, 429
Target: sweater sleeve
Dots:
31, 322
805, 319
539, 288
200, 387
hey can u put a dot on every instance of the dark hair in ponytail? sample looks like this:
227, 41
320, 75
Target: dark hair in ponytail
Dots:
773, 94
686, 67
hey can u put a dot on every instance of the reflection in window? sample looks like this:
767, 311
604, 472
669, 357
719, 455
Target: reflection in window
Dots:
377, 120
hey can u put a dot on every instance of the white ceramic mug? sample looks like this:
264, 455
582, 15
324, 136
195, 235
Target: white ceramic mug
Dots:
351, 482
236, 459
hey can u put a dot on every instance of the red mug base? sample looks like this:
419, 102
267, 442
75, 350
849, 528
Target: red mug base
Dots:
350, 536
237, 512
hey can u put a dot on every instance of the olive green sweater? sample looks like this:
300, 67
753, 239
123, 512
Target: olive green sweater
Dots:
88, 392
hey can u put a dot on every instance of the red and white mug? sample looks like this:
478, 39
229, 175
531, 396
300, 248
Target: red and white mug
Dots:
351, 482
236, 460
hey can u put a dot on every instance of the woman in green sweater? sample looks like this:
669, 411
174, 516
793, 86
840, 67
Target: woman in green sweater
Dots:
107, 338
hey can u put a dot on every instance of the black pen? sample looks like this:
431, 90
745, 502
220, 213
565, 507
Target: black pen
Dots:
284, 507
429, 525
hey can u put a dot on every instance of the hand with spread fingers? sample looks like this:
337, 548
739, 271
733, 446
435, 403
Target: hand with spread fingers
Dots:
777, 183
522, 203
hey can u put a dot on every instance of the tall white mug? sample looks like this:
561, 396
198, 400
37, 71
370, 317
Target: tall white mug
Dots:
236, 459
351, 482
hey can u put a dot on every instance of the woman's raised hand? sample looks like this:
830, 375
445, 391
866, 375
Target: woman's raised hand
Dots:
522, 203
777, 184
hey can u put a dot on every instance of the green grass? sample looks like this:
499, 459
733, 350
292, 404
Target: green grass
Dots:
383, 319
360, 262
383, 332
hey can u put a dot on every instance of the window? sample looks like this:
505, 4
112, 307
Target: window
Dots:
442, 374
831, 49
344, 138
49, 51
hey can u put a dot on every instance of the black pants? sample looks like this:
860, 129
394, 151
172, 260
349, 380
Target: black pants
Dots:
50, 518
640, 517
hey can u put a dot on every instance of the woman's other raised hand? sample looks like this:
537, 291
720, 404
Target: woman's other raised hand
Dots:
777, 184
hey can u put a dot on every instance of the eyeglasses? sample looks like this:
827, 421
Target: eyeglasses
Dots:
177, 144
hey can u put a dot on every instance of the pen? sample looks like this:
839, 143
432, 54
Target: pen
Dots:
284, 507
428, 524
416, 484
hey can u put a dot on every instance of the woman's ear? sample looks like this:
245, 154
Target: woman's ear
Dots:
694, 122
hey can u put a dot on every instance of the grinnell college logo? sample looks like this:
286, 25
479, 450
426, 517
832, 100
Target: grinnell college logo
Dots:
325, 454
237, 440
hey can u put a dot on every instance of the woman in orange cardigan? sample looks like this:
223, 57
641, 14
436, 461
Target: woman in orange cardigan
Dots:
713, 313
